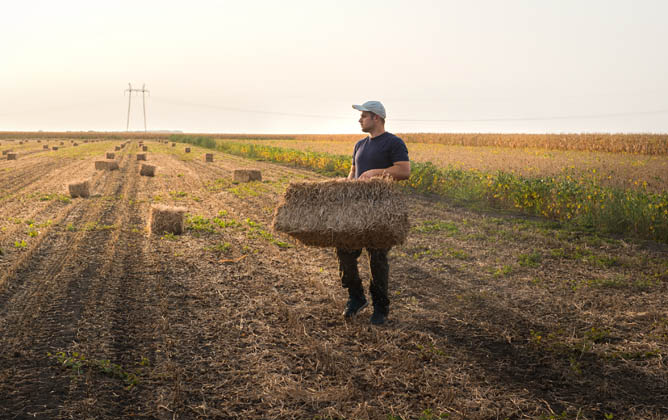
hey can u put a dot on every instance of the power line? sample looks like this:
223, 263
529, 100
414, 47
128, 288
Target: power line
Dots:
143, 101
499, 119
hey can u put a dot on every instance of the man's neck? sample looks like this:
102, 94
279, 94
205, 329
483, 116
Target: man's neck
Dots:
376, 133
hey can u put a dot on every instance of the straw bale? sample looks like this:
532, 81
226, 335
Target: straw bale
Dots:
147, 170
75, 144
110, 155
79, 189
144, 148
209, 157
165, 219
54, 148
247, 175
344, 214
4, 152
46, 147
187, 149
106, 165
62, 143
11, 156
173, 144
141, 156
117, 148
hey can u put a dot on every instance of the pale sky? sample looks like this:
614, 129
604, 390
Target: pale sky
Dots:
296, 66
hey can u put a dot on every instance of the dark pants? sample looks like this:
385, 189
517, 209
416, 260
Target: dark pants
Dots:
380, 271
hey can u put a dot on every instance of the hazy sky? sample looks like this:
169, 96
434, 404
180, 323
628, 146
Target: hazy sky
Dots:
297, 66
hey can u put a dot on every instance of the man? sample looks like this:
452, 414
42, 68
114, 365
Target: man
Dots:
380, 154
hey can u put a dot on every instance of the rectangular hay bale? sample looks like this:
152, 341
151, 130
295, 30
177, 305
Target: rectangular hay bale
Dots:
344, 214
141, 156
106, 165
110, 155
144, 148
4, 152
45, 147
187, 149
117, 148
147, 170
208, 157
247, 175
79, 189
12, 156
165, 219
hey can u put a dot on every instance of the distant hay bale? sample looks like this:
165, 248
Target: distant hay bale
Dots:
54, 148
166, 219
147, 170
117, 148
106, 165
75, 144
208, 157
173, 144
21, 142
11, 156
110, 155
62, 143
4, 152
141, 156
85, 141
187, 149
344, 214
144, 148
79, 189
45, 147
247, 175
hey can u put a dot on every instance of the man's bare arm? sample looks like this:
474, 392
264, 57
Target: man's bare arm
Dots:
398, 171
351, 175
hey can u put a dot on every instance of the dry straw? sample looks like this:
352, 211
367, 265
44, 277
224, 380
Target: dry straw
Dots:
11, 156
110, 155
208, 157
247, 175
344, 214
165, 219
79, 189
106, 165
141, 156
147, 170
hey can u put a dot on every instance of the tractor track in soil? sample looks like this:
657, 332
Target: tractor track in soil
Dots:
45, 300
262, 337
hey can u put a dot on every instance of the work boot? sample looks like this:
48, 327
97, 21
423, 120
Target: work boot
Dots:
379, 315
355, 304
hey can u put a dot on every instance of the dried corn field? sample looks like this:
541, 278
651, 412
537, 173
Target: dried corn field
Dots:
492, 316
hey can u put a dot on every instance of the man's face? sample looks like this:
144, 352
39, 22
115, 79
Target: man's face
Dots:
367, 121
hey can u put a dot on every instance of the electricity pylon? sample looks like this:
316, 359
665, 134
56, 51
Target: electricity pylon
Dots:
143, 102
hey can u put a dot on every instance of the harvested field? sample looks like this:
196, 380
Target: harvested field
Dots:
492, 315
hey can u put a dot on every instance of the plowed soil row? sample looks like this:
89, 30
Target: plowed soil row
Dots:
491, 317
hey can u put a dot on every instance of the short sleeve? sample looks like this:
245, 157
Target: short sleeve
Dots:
355, 152
399, 151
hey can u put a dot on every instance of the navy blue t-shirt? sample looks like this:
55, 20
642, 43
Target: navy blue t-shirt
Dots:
378, 153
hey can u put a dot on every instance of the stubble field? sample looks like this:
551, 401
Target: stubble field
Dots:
492, 316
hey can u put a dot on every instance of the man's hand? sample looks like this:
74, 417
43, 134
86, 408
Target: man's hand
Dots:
397, 172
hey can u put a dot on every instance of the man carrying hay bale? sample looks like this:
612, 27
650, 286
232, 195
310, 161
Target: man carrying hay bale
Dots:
380, 154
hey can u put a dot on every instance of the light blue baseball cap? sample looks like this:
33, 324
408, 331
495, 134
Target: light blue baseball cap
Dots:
372, 106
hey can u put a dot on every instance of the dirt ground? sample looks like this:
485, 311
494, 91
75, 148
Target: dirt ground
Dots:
493, 316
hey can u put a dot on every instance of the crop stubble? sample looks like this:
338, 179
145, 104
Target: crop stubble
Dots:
263, 337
